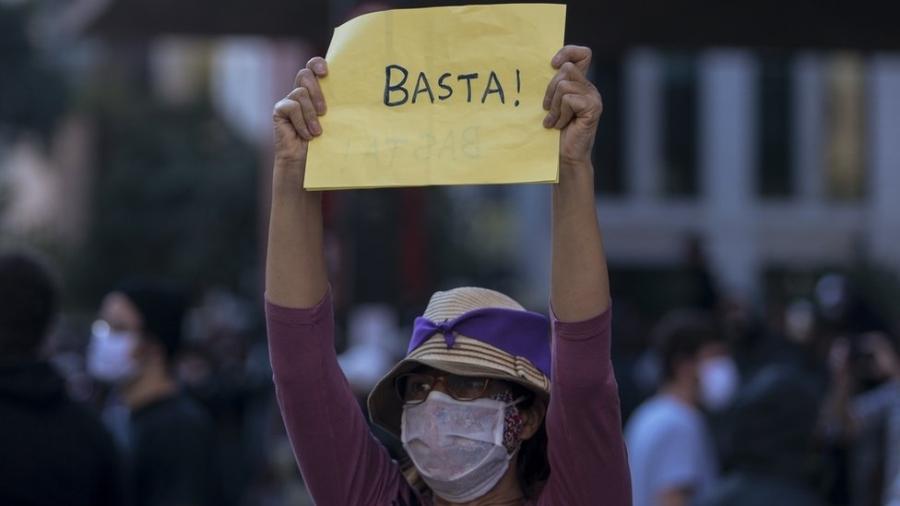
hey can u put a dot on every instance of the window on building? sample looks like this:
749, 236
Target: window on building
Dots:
844, 145
609, 176
680, 122
775, 139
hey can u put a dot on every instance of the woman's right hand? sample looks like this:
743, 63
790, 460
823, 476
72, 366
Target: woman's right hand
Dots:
296, 120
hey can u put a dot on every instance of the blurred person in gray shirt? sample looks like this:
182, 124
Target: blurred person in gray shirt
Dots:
864, 411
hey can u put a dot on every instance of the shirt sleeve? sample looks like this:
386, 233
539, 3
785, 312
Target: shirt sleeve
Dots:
340, 460
586, 448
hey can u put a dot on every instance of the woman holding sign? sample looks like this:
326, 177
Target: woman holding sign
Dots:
473, 401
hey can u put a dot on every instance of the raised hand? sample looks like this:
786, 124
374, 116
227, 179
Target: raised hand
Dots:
296, 116
574, 106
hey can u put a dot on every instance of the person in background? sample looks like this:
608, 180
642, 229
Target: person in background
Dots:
170, 438
894, 498
670, 448
52, 450
371, 335
864, 411
770, 441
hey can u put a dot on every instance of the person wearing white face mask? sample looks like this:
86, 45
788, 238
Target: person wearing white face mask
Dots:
168, 436
671, 450
473, 401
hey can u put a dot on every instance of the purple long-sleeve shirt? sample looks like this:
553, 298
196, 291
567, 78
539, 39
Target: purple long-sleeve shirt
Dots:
344, 465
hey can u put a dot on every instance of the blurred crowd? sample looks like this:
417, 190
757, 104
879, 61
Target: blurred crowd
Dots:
725, 407
166, 400
157, 401
119, 390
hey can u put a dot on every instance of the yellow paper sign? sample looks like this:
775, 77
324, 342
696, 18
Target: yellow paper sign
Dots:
439, 96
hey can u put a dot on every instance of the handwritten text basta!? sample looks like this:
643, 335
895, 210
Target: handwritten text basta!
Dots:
400, 87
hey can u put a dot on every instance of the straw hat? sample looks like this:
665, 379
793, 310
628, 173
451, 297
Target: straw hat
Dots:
506, 342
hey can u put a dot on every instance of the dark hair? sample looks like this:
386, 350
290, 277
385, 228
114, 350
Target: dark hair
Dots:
162, 307
532, 464
680, 336
28, 304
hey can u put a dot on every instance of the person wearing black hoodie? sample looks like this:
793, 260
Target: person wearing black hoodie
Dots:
169, 438
770, 443
53, 451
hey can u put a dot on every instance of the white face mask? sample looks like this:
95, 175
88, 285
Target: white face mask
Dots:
719, 380
110, 354
457, 446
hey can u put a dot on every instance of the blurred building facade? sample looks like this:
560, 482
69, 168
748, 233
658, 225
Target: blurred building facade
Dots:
773, 159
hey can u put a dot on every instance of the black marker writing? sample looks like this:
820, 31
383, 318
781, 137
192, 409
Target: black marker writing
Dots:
400, 90
425, 87
388, 87
445, 87
497, 89
518, 86
468, 79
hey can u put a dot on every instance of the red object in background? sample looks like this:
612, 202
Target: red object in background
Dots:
414, 273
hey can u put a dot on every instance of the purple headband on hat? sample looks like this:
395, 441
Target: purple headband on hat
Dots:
519, 333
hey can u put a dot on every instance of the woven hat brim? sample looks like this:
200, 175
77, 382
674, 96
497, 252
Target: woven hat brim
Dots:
386, 407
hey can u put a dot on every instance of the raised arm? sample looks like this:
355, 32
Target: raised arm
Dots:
579, 282
584, 427
341, 462
295, 266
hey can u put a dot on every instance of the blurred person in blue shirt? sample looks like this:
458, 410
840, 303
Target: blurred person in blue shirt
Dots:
670, 447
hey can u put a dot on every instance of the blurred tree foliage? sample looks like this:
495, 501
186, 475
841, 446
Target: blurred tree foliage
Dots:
174, 191
175, 196
32, 93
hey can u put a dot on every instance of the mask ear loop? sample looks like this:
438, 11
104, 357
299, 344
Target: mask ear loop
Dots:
516, 402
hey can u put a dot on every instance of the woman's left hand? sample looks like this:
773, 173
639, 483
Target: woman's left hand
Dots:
574, 106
